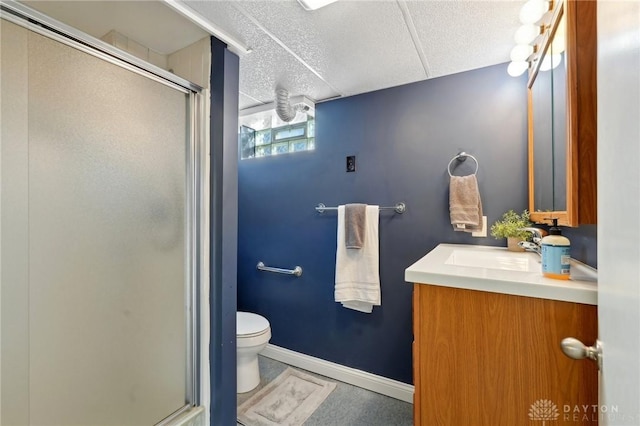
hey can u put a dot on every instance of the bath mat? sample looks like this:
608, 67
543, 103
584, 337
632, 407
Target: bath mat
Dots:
288, 400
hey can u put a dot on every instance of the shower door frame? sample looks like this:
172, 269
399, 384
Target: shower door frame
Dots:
196, 223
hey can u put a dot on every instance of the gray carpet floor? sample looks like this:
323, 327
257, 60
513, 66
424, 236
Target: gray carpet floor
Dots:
347, 405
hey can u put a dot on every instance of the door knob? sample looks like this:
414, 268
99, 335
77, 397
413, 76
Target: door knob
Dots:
575, 349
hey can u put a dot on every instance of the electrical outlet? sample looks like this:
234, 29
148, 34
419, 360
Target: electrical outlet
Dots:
483, 231
351, 163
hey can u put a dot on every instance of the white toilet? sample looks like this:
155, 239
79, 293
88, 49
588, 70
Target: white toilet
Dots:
252, 335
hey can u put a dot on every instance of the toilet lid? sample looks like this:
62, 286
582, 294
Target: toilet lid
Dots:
248, 323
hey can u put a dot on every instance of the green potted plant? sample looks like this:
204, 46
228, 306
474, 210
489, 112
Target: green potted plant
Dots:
510, 227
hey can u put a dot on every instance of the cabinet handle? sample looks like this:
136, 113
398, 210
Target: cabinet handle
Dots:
575, 349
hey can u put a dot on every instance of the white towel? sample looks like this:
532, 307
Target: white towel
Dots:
357, 271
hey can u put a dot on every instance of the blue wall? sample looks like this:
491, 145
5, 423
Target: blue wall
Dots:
584, 243
403, 139
223, 233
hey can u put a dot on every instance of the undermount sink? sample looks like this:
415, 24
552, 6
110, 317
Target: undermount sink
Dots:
497, 270
494, 259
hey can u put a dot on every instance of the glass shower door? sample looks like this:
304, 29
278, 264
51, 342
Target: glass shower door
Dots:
95, 271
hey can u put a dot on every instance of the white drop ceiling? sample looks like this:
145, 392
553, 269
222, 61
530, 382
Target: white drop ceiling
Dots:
150, 23
346, 48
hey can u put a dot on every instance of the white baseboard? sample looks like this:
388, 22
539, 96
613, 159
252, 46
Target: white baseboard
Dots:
362, 379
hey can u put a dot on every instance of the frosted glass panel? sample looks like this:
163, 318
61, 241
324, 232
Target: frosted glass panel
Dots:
14, 226
106, 241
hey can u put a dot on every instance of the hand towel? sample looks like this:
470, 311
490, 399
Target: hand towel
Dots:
465, 205
357, 271
354, 225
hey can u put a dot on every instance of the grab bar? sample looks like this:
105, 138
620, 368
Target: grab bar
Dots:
297, 271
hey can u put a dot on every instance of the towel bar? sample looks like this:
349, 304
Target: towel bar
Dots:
297, 271
399, 208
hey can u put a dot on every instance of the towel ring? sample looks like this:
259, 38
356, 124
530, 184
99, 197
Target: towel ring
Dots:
461, 157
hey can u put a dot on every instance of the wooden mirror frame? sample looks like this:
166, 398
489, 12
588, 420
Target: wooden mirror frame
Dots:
581, 140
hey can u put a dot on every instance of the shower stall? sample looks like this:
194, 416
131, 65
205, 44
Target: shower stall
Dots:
101, 221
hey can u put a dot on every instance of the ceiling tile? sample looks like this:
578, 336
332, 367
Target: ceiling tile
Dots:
356, 46
245, 101
463, 35
269, 64
346, 48
150, 23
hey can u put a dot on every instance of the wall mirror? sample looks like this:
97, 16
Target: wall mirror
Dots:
562, 118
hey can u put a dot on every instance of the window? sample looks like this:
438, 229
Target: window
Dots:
293, 137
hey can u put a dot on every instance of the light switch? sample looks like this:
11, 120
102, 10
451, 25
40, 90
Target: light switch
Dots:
351, 163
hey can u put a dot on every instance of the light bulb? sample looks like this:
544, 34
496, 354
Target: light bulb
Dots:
559, 39
533, 10
557, 45
526, 34
550, 61
521, 52
517, 68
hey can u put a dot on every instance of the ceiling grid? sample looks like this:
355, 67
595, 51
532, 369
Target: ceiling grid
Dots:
283, 45
343, 49
402, 4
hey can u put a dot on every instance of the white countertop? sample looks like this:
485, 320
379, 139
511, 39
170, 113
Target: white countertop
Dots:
481, 268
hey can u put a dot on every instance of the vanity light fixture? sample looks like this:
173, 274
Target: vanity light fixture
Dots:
533, 10
550, 61
534, 16
521, 52
314, 4
559, 40
517, 68
527, 33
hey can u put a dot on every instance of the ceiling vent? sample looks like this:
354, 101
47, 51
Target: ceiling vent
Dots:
285, 109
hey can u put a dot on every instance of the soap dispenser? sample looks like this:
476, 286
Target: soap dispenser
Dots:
555, 251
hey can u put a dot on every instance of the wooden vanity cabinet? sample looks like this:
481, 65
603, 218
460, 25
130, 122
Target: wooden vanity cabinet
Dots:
482, 358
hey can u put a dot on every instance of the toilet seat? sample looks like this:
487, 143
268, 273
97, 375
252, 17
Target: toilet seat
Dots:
253, 333
250, 325
251, 330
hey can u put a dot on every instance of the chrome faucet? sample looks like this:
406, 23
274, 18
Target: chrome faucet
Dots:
534, 244
538, 233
